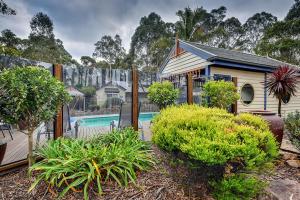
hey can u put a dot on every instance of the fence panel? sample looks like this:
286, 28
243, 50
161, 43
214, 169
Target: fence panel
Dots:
99, 96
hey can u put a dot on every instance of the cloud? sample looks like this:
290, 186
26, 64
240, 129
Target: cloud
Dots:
80, 23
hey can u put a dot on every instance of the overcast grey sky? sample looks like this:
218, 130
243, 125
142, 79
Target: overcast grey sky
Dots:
80, 23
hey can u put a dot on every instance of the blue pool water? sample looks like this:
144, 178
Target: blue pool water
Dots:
106, 120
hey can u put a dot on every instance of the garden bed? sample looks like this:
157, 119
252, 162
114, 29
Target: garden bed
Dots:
167, 180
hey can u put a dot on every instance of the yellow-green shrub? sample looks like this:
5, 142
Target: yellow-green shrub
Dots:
215, 137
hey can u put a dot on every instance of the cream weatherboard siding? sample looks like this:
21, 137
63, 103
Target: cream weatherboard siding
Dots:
256, 79
183, 63
291, 106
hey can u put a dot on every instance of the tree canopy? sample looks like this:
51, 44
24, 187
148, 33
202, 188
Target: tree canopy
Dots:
5, 9
111, 50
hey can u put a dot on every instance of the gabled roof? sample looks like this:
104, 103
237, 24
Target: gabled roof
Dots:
236, 56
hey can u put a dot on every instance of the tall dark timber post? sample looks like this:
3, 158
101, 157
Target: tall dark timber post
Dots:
234, 106
189, 88
58, 121
135, 98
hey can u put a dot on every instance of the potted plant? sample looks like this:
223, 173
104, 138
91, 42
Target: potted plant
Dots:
30, 96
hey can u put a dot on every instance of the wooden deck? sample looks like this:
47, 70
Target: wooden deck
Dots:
17, 149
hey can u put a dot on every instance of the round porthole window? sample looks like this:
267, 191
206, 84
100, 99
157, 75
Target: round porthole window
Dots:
286, 99
247, 94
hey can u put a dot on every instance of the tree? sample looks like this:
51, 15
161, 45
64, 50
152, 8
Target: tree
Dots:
192, 23
159, 49
5, 10
163, 94
282, 42
221, 94
110, 49
41, 26
42, 45
294, 12
89, 64
282, 83
9, 39
150, 29
226, 35
254, 29
30, 96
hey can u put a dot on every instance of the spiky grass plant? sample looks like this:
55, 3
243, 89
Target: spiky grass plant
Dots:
78, 165
282, 83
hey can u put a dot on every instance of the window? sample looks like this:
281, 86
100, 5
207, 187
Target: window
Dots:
111, 95
247, 94
286, 99
219, 77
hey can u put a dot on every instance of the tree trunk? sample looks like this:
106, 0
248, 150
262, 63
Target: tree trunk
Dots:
279, 107
30, 147
85, 80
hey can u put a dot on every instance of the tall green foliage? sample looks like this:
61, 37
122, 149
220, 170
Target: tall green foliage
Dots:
281, 40
292, 124
30, 95
220, 94
78, 165
162, 94
216, 139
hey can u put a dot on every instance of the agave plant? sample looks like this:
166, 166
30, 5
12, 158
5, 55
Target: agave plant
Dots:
282, 83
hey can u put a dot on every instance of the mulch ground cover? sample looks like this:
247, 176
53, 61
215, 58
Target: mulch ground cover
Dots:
167, 180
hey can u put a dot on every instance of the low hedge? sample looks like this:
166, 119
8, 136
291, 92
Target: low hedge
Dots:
214, 136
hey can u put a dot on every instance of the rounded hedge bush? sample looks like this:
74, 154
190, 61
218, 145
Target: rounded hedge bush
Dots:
214, 136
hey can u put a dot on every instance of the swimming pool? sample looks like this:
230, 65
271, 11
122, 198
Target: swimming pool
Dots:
106, 120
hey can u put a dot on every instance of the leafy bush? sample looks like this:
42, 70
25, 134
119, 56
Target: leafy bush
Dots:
30, 96
214, 136
220, 94
240, 186
88, 91
217, 140
78, 164
162, 94
292, 124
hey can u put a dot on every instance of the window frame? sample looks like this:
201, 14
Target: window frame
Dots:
242, 101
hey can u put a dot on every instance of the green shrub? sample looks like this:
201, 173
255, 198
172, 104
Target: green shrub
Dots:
30, 96
236, 187
88, 91
220, 94
162, 94
78, 164
218, 140
292, 124
214, 136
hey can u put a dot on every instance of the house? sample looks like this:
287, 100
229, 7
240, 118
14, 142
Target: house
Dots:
248, 71
110, 91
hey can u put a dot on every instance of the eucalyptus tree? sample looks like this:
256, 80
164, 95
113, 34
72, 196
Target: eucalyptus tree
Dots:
151, 28
294, 12
89, 64
110, 49
42, 45
254, 29
282, 40
5, 9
